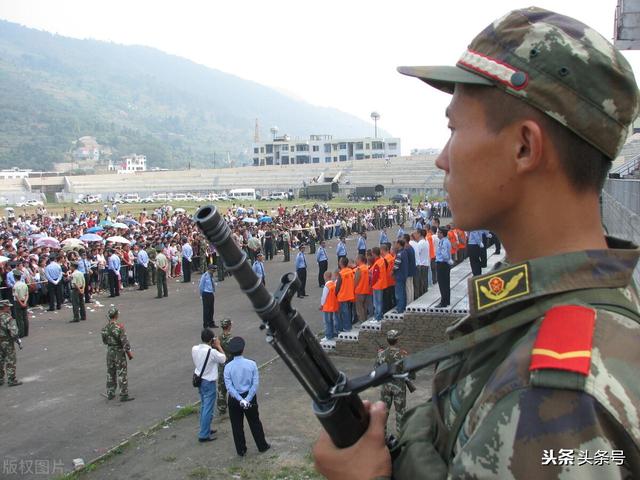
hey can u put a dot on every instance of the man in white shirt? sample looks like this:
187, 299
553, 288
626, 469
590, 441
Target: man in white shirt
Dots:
423, 262
210, 347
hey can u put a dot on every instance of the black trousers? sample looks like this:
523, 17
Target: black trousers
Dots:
236, 415
143, 279
87, 288
114, 285
302, 275
55, 295
496, 242
161, 283
186, 270
434, 271
208, 300
268, 249
323, 265
443, 282
475, 258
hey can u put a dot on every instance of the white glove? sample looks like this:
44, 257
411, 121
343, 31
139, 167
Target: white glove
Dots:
244, 404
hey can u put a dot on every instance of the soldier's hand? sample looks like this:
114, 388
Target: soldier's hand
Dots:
216, 343
367, 458
130, 355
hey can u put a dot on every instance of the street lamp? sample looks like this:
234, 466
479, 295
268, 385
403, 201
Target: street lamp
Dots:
375, 116
274, 132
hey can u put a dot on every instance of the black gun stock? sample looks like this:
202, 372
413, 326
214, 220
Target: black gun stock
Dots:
343, 417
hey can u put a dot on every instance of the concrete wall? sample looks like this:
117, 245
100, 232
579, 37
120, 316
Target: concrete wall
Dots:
621, 222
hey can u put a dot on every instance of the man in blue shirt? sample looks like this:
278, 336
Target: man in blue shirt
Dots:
401, 273
258, 267
84, 267
187, 255
475, 245
207, 288
143, 265
323, 262
443, 266
114, 274
241, 379
341, 249
362, 243
53, 272
301, 271
383, 236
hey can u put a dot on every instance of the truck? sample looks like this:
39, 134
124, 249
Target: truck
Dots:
324, 191
369, 193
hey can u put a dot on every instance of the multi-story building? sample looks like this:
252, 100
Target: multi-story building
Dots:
129, 164
286, 150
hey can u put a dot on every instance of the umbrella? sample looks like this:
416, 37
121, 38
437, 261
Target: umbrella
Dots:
249, 220
148, 220
119, 225
3, 259
37, 235
48, 242
72, 241
180, 210
73, 246
118, 239
130, 221
91, 237
94, 229
9, 209
266, 219
106, 223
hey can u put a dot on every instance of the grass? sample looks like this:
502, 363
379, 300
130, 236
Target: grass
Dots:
199, 472
185, 412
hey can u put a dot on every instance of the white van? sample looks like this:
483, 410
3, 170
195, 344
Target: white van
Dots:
130, 198
161, 197
279, 196
243, 194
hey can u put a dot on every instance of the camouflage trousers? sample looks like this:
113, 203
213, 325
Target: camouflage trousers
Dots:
8, 357
399, 400
117, 372
222, 392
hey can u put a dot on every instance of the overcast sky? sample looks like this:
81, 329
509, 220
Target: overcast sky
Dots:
338, 53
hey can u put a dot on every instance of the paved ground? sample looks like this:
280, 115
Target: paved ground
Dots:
58, 414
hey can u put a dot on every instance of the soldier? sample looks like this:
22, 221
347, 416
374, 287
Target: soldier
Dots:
77, 294
220, 267
151, 269
540, 379
8, 336
394, 392
21, 296
115, 338
224, 343
286, 244
162, 270
204, 253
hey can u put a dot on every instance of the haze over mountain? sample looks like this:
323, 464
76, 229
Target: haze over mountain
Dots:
54, 90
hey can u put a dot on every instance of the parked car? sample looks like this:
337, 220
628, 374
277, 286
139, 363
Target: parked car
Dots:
30, 203
130, 198
180, 197
400, 198
279, 196
147, 200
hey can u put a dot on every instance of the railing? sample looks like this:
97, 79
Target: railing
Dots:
625, 191
626, 168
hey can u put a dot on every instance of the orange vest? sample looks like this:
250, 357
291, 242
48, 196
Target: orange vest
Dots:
381, 283
331, 302
347, 287
453, 238
432, 246
364, 286
390, 258
462, 238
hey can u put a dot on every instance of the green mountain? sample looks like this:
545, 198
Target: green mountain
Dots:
54, 90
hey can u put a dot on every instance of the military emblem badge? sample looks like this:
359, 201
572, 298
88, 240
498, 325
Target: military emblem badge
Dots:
501, 286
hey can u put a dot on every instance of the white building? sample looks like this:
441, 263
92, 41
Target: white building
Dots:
285, 150
15, 173
129, 164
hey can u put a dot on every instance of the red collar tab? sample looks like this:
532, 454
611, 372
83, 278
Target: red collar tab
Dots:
565, 340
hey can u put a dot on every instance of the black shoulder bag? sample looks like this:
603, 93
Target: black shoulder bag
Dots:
197, 379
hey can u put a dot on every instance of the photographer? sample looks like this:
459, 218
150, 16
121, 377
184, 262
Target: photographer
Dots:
206, 358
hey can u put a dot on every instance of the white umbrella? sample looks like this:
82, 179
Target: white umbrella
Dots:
3, 259
118, 239
119, 225
180, 210
72, 241
47, 242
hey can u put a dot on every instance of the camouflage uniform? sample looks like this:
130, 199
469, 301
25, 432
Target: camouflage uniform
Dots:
222, 388
115, 338
151, 270
394, 392
8, 331
204, 252
513, 406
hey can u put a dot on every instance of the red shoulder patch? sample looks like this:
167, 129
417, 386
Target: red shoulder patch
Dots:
120, 325
565, 339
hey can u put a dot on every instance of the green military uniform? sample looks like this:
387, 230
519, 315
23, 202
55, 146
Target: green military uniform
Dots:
285, 246
222, 388
162, 267
552, 390
21, 293
77, 296
115, 338
220, 267
394, 392
151, 270
204, 252
8, 336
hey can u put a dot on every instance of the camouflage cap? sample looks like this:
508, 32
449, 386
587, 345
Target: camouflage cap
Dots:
557, 65
393, 335
226, 322
113, 312
5, 303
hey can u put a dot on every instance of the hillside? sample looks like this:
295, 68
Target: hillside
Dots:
54, 90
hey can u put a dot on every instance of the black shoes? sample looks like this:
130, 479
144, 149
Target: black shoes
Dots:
210, 438
242, 453
442, 305
74, 321
265, 448
14, 383
126, 398
108, 396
